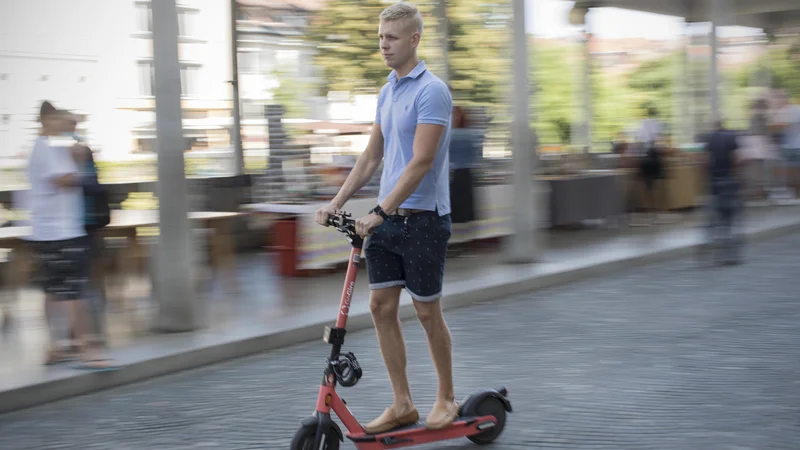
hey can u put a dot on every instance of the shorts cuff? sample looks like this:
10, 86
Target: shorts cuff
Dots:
425, 299
386, 284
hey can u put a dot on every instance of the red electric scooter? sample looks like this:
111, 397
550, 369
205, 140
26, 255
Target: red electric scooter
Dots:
482, 415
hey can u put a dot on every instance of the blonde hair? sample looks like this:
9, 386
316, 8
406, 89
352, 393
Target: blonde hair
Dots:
403, 11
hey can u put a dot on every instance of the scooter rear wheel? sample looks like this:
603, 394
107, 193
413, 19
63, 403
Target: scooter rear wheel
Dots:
489, 406
304, 440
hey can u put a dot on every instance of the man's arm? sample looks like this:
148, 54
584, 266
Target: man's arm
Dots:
67, 180
364, 169
47, 167
426, 142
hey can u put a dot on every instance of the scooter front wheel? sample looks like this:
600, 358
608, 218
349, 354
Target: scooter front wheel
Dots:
304, 439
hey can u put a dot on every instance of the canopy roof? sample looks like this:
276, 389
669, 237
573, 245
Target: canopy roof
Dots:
773, 16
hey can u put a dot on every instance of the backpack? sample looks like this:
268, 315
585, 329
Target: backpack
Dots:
721, 153
96, 202
651, 162
98, 213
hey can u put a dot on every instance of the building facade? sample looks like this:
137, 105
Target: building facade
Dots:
95, 58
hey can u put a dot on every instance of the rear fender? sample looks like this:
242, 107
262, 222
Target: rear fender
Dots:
471, 402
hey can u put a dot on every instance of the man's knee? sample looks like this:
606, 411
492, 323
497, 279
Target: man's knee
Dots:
428, 313
384, 303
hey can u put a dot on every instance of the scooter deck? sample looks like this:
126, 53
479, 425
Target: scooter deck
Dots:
416, 434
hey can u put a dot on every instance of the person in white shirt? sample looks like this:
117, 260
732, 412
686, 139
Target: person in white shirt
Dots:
647, 150
59, 238
787, 126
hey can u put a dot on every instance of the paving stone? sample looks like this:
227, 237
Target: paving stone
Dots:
669, 356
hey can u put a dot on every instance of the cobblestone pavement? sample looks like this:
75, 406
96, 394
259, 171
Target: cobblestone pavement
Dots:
670, 356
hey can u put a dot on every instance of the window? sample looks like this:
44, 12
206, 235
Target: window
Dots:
186, 22
147, 79
248, 62
144, 18
189, 79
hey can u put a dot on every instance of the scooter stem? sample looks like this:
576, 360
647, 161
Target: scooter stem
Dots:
349, 287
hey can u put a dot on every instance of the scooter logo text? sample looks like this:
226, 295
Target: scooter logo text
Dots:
348, 298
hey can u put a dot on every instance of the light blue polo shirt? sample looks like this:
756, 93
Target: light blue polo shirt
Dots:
418, 98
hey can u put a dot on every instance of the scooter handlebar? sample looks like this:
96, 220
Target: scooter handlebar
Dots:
342, 222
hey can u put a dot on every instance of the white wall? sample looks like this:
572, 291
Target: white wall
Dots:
83, 55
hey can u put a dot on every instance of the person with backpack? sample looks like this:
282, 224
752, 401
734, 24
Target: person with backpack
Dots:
651, 168
723, 171
58, 237
97, 215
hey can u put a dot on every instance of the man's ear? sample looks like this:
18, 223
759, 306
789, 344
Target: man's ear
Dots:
415, 38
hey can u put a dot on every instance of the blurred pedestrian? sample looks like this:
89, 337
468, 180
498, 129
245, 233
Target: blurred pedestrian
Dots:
59, 238
722, 168
463, 158
97, 215
786, 125
649, 153
755, 150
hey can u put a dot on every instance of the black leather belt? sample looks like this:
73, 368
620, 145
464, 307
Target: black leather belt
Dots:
404, 212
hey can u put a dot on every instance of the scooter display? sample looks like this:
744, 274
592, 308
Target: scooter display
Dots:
482, 414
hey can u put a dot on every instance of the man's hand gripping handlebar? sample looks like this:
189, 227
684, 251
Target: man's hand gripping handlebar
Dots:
342, 221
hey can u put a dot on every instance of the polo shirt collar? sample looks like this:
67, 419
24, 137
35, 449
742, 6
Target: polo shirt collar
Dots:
418, 70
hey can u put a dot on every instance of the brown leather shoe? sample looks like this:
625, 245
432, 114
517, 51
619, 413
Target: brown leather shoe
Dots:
442, 416
389, 421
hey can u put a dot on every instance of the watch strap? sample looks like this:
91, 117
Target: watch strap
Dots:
379, 211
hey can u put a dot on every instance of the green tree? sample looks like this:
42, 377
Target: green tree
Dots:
290, 93
784, 60
554, 72
653, 84
478, 51
552, 103
346, 35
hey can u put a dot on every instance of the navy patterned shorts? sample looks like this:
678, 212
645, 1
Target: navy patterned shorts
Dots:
411, 252
64, 267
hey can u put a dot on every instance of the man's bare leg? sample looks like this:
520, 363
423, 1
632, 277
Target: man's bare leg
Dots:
384, 304
440, 342
81, 323
57, 319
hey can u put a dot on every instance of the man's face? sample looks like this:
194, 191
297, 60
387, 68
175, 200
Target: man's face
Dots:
70, 124
398, 39
53, 122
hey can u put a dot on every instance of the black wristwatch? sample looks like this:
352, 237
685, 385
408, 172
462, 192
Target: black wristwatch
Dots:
379, 211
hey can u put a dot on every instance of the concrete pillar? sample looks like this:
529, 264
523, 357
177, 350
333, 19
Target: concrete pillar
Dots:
682, 122
714, 72
172, 274
444, 36
582, 95
236, 131
520, 246
576, 125
587, 89
767, 64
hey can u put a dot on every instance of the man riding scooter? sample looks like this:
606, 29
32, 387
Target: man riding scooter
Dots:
411, 222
